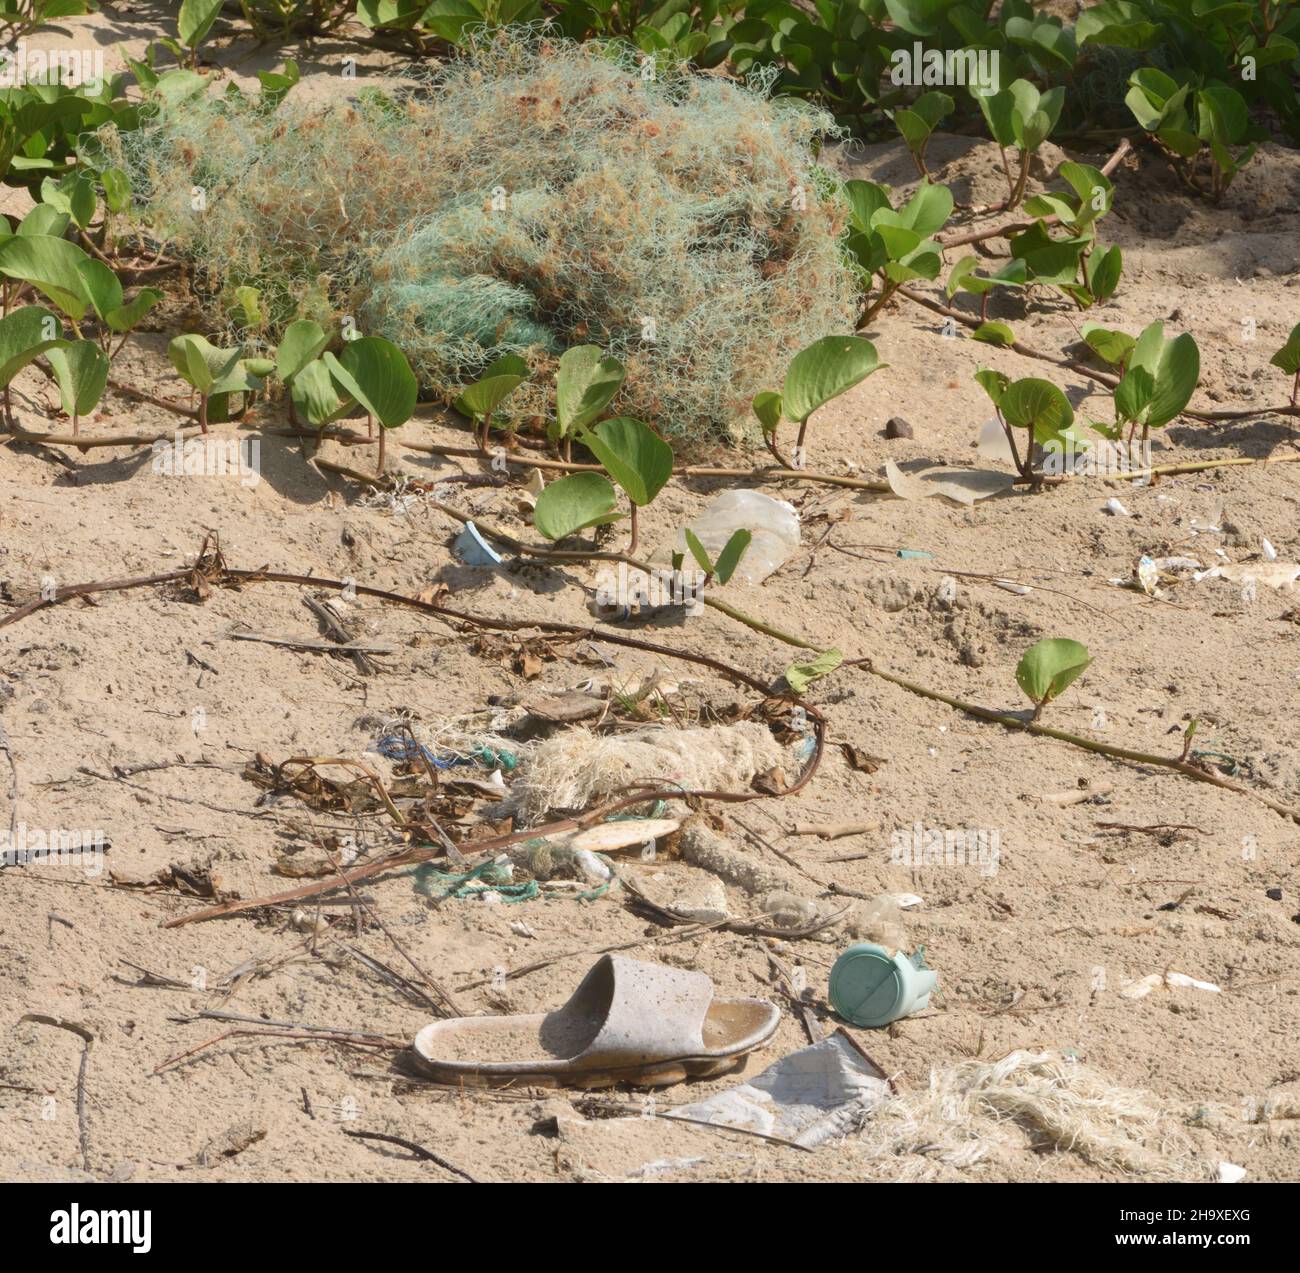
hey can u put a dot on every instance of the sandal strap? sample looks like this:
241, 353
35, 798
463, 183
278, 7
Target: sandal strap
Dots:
648, 1012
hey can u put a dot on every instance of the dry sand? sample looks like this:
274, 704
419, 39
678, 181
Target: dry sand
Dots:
1033, 956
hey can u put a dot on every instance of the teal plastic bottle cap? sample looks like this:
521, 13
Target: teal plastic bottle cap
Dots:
871, 987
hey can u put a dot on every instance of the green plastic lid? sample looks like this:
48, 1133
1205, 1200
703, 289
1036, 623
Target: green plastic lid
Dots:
866, 986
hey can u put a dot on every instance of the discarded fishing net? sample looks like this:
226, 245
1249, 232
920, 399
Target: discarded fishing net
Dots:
977, 1110
533, 195
577, 769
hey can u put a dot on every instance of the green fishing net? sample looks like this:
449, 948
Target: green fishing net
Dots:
532, 195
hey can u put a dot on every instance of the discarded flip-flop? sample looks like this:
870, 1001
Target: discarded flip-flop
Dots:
627, 1022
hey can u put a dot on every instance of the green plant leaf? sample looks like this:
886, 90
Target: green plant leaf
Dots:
81, 371
928, 209
1048, 260
899, 240
933, 106
767, 406
117, 189
1223, 116
195, 20
798, 676
498, 381
998, 110
1048, 668
574, 503
1133, 394
914, 130
178, 85
25, 334
1092, 189
375, 372
50, 265
585, 383
1287, 358
698, 551
100, 286
246, 307
125, 317
994, 334
1176, 376
44, 220
963, 277
1111, 346
200, 362
994, 383
276, 84
635, 456
1104, 270
1039, 405
865, 199
732, 553
303, 342
315, 394
74, 193
826, 369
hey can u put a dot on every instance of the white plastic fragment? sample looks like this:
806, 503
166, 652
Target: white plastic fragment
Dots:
904, 900
773, 523
1020, 589
993, 443
1230, 1173
962, 486
1270, 553
593, 869
1116, 509
1147, 575
1143, 987
1277, 574
810, 1096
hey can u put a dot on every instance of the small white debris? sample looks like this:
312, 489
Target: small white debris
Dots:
1270, 553
1116, 509
1230, 1173
520, 929
1147, 575
593, 869
1007, 586
1140, 989
304, 923
904, 900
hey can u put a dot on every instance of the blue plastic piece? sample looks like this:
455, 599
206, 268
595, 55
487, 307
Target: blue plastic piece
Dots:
472, 549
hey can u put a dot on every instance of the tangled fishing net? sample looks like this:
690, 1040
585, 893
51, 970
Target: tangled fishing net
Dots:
533, 195
577, 768
986, 1109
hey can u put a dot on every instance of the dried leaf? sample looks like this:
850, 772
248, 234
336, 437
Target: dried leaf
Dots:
862, 761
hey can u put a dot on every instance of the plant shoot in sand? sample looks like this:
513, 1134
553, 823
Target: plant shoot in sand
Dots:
1049, 668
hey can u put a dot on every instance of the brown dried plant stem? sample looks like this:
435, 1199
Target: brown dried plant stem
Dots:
1014, 227
220, 574
1178, 764
753, 474
87, 1041
1108, 379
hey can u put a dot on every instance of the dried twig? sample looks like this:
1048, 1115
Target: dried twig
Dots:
74, 1027
418, 1150
313, 645
334, 628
